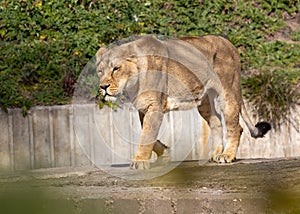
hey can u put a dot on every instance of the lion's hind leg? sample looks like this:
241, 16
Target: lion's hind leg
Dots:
234, 131
208, 112
217, 138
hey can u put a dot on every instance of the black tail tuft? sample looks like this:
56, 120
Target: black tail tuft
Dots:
263, 128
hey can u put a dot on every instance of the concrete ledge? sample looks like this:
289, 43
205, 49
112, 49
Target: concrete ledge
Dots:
247, 186
79, 135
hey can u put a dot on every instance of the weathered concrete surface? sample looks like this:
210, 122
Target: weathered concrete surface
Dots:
78, 135
247, 186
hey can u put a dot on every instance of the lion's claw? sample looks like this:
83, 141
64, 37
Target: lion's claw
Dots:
140, 165
225, 158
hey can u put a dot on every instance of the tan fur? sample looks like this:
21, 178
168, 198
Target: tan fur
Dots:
226, 63
159, 76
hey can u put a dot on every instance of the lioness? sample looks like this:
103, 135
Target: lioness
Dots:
158, 76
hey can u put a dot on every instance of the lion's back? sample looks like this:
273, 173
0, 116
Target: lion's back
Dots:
217, 49
224, 57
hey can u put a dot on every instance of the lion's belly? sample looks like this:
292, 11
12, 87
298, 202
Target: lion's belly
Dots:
177, 104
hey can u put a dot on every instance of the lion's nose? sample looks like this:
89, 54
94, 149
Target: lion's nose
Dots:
104, 87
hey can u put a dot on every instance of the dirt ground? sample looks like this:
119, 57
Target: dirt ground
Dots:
246, 186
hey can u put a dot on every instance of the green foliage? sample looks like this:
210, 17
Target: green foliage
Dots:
272, 94
101, 102
10, 96
274, 55
45, 44
295, 35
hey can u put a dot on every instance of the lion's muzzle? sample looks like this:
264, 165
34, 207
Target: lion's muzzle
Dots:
104, 90
104, 87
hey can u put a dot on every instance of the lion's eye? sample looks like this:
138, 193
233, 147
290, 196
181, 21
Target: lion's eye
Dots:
99, 72
116, 68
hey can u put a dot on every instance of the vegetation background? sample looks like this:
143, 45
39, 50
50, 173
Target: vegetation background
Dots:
45, 44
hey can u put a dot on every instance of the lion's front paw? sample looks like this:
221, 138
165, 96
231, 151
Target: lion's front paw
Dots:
225, 158
216, 153
140, 164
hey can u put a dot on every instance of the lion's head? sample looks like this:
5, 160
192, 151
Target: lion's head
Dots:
116, 68
121, 67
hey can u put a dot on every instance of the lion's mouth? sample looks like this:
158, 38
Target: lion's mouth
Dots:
108, 97
104, 92
107, 94
111, 95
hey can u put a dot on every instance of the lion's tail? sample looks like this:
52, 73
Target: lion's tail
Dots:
260, 129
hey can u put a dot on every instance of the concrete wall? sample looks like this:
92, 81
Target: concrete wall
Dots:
80, 135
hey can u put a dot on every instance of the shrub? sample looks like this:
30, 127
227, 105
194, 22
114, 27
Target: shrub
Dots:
272, 95
45, 44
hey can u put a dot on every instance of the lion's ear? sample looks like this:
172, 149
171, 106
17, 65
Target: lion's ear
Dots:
99, 52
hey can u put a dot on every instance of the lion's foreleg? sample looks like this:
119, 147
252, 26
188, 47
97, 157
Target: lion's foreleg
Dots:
151, 124
162, 152
159, 148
